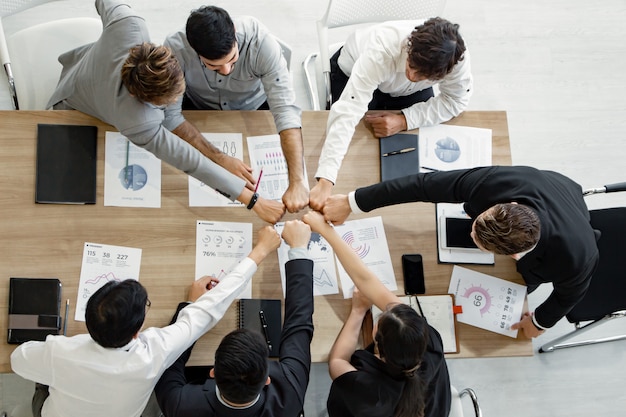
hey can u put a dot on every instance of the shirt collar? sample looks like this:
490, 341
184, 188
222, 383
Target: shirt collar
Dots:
224, 403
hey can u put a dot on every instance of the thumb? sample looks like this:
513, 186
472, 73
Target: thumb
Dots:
515, 326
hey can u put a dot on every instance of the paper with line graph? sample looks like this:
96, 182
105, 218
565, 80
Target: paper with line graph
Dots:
367, 239
101, 264
324, 275
220, 246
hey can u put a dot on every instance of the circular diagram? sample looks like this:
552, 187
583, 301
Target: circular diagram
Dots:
133, 177
447, 150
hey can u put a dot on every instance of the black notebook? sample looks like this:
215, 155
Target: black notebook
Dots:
400, 160
254, 313
66, 164
34, 308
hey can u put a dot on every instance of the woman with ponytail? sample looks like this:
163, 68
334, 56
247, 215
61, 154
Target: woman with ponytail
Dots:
403, 373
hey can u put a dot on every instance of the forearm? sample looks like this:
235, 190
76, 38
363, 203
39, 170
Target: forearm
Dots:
293, 150
189, 133
345, 345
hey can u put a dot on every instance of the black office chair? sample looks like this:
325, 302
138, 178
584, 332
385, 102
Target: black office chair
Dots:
605, 299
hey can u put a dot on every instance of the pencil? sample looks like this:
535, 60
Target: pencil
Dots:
256, 187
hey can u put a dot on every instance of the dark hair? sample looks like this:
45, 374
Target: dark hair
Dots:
211, 32
401, 339
435, 47
116, 312
507, 229
241, 365
152, 74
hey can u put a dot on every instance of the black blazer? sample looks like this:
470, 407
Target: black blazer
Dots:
284, 396
566, 253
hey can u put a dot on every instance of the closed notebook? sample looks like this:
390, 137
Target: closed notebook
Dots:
250, 317
34, 308
66, 164
396, 165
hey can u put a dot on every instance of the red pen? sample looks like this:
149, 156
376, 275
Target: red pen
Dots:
259, 180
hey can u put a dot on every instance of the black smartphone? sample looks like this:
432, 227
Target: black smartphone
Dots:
458, 233
413, 273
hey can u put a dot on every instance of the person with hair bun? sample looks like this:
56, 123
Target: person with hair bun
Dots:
403, 372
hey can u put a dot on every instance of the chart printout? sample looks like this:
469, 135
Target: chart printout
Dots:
101, 264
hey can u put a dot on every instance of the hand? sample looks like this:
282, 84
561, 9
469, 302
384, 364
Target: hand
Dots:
269, 210
297, 234
386, 123
200, 286
239, 168
527, 326
268, 240
319, 194
296, 197
337, 208
316, 221
360, 303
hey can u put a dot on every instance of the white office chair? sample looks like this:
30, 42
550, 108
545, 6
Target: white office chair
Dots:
456, 406
342, 13
35, 51
8, 8
286, 51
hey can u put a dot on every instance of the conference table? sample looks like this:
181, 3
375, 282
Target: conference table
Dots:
46, 240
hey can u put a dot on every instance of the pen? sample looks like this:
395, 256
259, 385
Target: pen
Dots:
430, 169
126, 169
405, 150
419, 306
259, 180
265, 329
67, 309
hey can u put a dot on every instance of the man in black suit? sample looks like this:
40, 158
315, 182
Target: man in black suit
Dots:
539, 218
243, 381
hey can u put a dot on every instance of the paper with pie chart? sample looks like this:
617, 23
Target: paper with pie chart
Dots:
132, 175
447, 147
101, 264
324, 275
200, 194
220, 246
367, 239
488, 302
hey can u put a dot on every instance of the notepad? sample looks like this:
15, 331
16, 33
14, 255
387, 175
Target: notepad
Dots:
34, 309
253, 313
66, 164
401, 164
440, 313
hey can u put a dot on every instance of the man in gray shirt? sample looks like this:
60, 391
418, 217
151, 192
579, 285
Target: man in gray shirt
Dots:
130, 91
238, 65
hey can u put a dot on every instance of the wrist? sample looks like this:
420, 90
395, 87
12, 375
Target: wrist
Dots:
253, 201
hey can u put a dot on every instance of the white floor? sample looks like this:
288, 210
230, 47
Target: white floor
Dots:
556, 68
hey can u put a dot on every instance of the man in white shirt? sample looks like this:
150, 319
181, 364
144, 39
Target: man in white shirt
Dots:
391, 68
112, 370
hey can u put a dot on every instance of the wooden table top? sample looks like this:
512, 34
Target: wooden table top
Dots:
42, 240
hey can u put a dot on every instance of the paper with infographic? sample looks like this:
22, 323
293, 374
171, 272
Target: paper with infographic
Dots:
448, 147
220, 246
101, 264
488, 302
132, 175
200, 194
324, 275
367, 239
269, 164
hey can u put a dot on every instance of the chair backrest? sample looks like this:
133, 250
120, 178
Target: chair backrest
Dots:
286, 51
35, 51
352, 12
608, 283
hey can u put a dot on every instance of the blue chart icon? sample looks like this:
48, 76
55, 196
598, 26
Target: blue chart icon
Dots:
133, 177
447, 150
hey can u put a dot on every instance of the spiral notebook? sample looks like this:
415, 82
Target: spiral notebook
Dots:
264, 316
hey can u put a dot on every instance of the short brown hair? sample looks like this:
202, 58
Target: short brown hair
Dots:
507, 229
152, 74
434, 48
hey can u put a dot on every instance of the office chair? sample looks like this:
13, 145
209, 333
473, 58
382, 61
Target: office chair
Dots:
8, 8
286, 49
605, 299
456, 406
342, 13
42, 44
